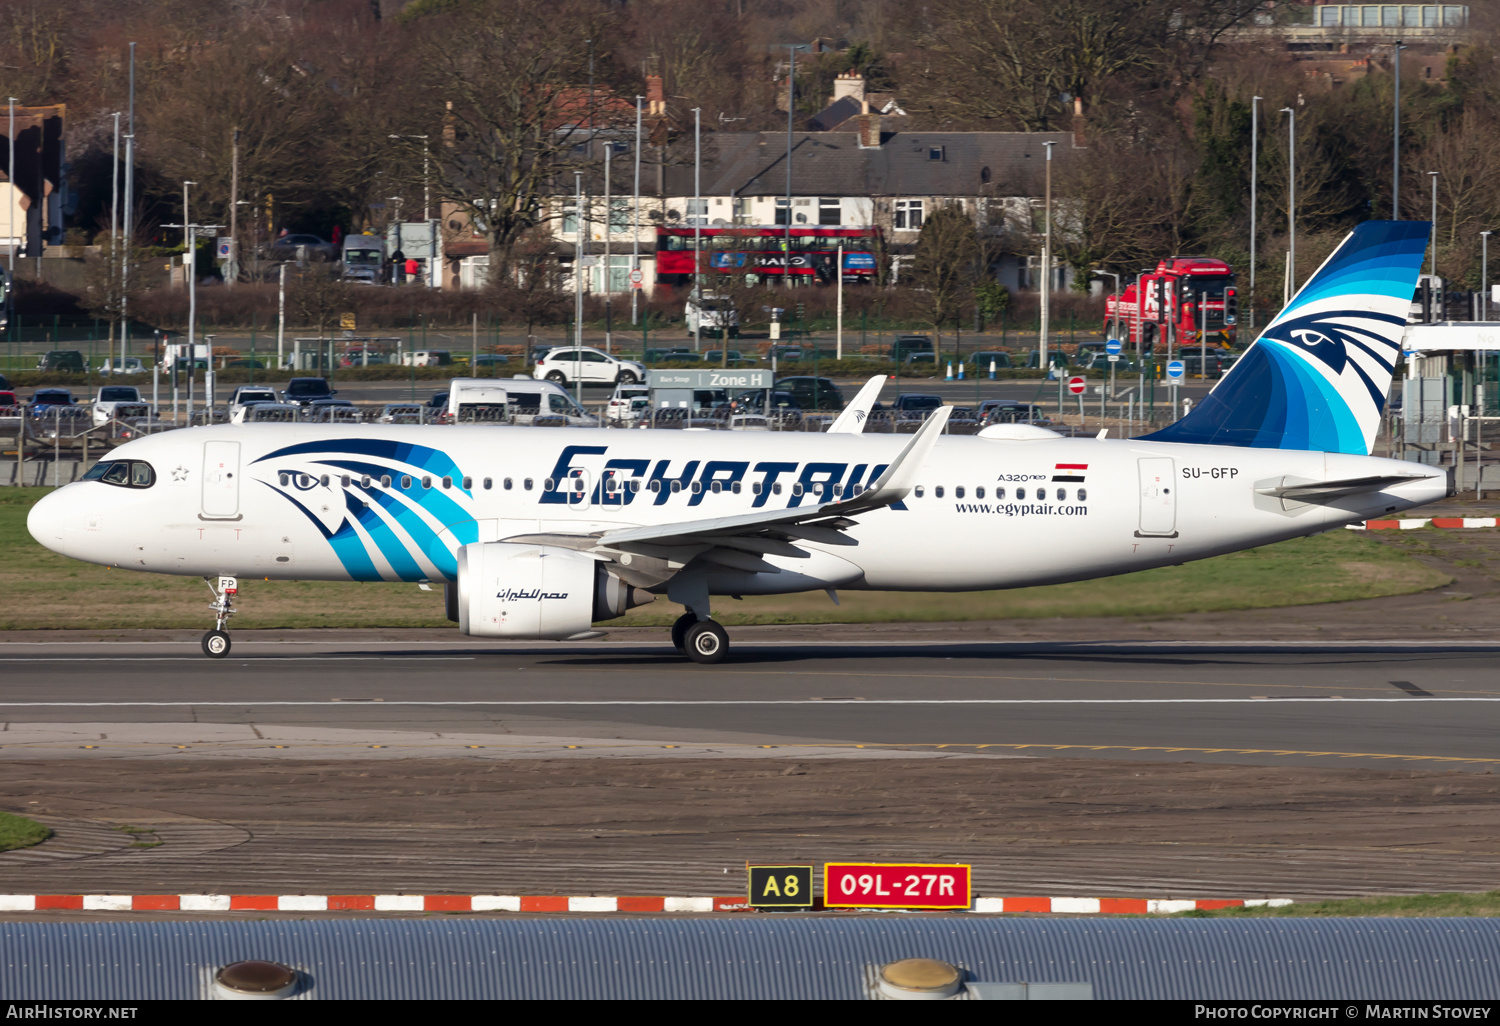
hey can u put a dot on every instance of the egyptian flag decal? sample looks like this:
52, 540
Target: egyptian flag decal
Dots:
1070, 472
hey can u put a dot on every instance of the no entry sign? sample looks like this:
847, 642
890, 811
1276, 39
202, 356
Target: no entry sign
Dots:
894, 885
1076, 385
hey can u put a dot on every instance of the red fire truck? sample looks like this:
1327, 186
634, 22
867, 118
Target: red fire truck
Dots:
1183, 295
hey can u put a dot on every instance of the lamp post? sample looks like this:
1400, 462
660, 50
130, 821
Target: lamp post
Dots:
698, 214
10, 175
1254, 171
426, 209
1396, 137
791, 95
1291, 202
1046, 319
1434, 176
635, 218
114, 222
1484, 275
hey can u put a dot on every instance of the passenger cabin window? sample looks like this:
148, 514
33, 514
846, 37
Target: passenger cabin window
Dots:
958, 492
1021, 494
1083, 495
364, 481
447, 482
468, 484
937, 491
385, 480
1000, 493
1041, 495
344, 481
919, 491
1062, 495
979, 492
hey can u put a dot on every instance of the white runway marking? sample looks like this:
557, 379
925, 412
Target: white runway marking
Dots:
1401, 700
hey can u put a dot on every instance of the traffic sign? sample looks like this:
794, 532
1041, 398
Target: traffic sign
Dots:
636, 278
1114, 357
1076, 385
1175, 370
885, 885
780, 886
1112, 347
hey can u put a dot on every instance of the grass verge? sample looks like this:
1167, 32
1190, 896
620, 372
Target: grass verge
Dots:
1405, 905
44, 590
20, 832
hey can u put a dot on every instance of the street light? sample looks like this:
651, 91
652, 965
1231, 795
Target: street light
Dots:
1396, 138
1484, 275
1254, 169
699, 216
1291, 203
1434, 176
426, 182
1046, 319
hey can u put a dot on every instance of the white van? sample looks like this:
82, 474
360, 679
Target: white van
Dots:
427, 358
712, 315
481, 400
525, 399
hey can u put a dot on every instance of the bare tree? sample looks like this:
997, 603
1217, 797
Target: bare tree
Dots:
950, 259
319, 296
506, 108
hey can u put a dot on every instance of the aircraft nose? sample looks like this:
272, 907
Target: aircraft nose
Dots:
50, 521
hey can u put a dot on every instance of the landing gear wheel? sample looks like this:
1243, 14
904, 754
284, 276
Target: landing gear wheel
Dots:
216, 644
680, 629
706, 642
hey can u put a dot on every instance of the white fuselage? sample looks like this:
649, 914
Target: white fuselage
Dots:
312, 502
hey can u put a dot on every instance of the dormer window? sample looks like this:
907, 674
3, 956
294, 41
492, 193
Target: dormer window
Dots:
935, 152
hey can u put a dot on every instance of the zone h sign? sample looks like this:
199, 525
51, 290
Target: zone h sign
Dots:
888, 885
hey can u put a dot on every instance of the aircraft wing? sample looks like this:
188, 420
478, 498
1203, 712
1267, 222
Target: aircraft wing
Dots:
852, 420
740, 541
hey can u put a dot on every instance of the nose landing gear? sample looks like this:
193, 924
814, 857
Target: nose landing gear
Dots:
216, 641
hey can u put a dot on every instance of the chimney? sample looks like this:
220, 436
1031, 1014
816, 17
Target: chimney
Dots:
850, 84
656, 97
869, 130
1080, 123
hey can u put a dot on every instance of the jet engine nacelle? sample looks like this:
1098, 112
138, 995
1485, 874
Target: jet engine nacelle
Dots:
510, 590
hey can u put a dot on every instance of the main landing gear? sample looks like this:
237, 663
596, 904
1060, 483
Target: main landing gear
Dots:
216, 641
702, 641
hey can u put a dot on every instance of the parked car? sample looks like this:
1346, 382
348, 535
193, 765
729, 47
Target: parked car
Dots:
754, 401
249, 395
671, 353
621, 408
427, 358
489, 360
46, 398
905, 345
981, 361
786, 354
303, 391
10, 406
4, 382
813, 393
286, 247
123, 365
435, 410
917, 402
400, 413
332, 411
269, 413
527, 399
118, 401
590, 366
246, 363
69, 361
717, 356
1010, 411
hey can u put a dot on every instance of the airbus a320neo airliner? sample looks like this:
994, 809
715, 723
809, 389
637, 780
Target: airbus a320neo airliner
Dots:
542, 534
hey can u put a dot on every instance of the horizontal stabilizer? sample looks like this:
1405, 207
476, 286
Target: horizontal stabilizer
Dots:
1318, 492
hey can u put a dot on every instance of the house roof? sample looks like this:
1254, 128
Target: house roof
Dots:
906, 163
834, 115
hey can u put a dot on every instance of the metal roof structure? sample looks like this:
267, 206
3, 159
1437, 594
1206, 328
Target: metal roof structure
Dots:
765, 956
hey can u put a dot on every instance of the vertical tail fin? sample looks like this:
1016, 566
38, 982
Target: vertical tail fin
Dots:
1317, 377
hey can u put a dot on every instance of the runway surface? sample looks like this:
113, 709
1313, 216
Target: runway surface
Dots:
1301, 703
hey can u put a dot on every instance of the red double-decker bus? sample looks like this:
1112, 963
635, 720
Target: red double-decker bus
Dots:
762, 250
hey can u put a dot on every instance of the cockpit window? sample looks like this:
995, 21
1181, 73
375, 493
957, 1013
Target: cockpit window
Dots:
123, 473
